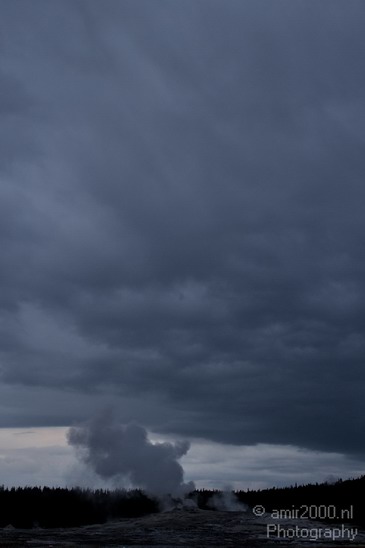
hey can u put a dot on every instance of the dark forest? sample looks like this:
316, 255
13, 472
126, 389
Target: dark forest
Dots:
45, 507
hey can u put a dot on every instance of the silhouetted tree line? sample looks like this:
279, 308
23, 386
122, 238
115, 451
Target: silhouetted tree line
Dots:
26, 507
341, 501
202, 498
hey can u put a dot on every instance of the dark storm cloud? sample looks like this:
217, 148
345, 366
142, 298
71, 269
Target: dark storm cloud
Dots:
182, 216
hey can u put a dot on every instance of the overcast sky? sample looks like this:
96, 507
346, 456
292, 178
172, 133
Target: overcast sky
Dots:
182, 221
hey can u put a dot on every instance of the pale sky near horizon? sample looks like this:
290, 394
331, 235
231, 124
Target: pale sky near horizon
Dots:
41, 456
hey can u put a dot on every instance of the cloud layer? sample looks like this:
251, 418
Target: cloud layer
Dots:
181, 217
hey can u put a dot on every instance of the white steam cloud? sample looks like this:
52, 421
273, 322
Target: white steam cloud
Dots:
226, 501
124, 453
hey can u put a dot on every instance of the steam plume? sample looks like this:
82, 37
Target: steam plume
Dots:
124, 452
226, 501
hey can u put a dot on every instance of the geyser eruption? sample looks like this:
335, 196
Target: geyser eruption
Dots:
124, 452
226, 501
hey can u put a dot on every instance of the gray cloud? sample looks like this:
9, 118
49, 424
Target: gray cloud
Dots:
181, 217
124, 453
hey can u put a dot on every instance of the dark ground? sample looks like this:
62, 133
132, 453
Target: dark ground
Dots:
189, 528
